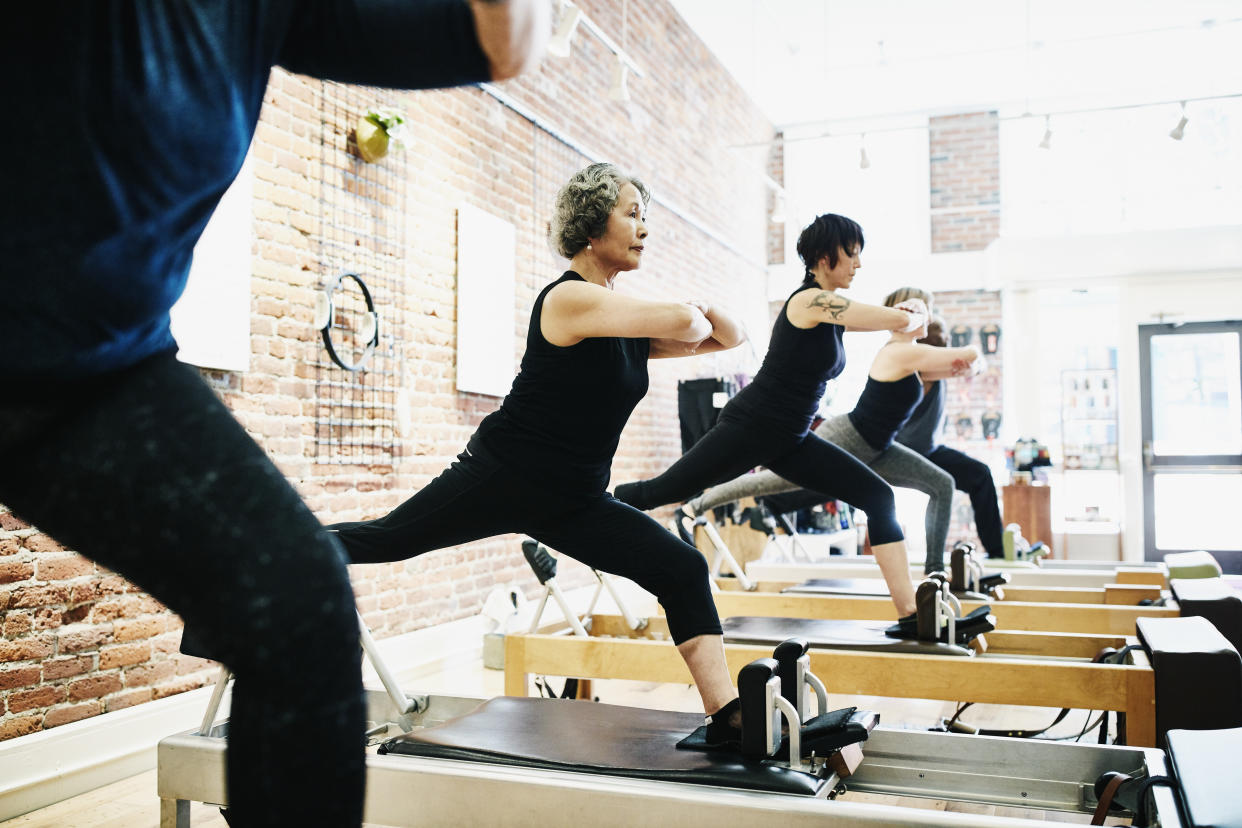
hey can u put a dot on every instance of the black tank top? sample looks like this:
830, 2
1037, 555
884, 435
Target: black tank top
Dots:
794, 374
883, 408
562, 419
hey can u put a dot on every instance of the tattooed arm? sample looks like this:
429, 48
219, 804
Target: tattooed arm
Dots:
815, 306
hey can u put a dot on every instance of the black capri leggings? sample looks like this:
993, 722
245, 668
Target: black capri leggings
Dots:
736, 444
146, 472
478, 497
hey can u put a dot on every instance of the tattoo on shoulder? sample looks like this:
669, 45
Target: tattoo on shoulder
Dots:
830, 302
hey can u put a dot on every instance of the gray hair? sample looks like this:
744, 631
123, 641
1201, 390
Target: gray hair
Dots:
584, 204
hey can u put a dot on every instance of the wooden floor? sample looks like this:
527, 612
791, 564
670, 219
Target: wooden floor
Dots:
133, 803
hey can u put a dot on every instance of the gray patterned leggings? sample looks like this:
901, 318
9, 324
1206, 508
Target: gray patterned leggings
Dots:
896, 465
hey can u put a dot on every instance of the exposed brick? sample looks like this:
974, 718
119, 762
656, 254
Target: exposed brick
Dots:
25, 649
11, 728
46, 696
40, 542
149, 674
94, 687
18, 623
64, 567
72, 713
83, 637
12, 571
173, 688
129, 698
123, 655
39, 596
10, 522
133, 629
19, 677
9, 546
65, 667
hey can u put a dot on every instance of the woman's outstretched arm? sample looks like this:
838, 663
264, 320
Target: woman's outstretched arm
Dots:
817, 306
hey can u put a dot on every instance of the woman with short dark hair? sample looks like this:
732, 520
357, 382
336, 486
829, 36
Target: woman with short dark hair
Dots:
768, 422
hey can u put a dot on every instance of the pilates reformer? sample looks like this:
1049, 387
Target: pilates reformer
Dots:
437, 762
1022, 668
970, 580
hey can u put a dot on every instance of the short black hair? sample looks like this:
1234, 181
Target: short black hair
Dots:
827, 236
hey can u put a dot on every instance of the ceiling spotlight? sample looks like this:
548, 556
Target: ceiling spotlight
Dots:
1178, 131
558, 46
1046, 142
863, 161
618, 90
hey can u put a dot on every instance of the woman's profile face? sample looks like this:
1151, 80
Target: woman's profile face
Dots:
848, 261
622, 244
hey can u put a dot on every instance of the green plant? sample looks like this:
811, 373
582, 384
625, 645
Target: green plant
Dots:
392, 121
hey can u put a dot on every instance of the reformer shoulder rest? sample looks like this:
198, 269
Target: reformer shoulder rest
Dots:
1197, 564
1213, 599
588, 737
1209, 775
1198, 675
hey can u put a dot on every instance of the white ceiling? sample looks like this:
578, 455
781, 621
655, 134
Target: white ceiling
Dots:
823, 64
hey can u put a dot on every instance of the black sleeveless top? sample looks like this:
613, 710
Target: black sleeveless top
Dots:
922, 431
794, 374
562, 419
883, 408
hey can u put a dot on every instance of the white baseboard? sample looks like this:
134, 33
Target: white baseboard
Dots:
46, 767
49, 766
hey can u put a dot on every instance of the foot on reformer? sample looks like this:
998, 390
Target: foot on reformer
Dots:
540, 560
723, 729
683, 520
906, 627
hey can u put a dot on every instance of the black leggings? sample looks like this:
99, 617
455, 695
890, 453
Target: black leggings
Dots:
736, 444
478, 497
146, 472
975, 479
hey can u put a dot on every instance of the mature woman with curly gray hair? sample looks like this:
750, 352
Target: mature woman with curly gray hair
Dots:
540, 465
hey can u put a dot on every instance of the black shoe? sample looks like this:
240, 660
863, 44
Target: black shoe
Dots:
906, 627
680, 516
720, 730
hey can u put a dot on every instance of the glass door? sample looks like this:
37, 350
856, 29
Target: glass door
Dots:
1192, 439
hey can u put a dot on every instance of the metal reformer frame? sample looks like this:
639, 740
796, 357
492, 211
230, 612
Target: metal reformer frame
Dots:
421, 792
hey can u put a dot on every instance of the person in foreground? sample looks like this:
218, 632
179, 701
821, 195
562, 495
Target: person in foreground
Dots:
540, 464
768, 422
112, 446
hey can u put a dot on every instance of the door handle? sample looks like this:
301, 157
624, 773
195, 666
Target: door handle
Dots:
1149, 455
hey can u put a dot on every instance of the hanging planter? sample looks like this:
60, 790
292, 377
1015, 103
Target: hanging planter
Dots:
378, 131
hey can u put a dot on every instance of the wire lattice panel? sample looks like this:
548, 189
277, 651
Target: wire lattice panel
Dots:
362, 232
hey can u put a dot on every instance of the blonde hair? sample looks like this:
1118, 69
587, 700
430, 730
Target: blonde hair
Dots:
901, 294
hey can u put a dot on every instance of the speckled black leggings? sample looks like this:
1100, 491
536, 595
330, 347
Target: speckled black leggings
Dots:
146, 472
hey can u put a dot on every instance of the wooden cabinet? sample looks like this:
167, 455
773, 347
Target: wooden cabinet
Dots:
1031, 508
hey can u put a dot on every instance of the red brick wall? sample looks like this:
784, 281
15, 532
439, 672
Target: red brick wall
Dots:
965, 181
972, 396
78, 640
776, 171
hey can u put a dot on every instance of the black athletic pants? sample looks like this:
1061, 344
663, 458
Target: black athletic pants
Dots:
738, 443
975, 479
146, 472
478, 497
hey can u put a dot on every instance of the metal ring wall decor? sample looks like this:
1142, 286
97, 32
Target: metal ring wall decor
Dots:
325, 317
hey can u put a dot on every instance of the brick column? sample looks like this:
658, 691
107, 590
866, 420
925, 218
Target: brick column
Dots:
965, 181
